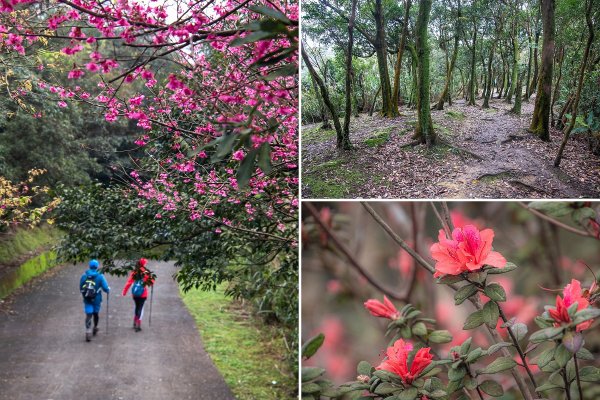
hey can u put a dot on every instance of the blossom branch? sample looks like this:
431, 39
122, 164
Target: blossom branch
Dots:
577, 376
353, 262
556, 222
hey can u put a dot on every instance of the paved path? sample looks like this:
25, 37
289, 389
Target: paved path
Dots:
44, 356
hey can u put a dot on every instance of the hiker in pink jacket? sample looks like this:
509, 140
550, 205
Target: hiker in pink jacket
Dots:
139, 280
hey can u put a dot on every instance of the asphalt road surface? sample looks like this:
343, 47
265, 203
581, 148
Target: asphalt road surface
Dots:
44, 355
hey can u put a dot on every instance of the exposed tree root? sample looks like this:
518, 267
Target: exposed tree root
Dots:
527, 186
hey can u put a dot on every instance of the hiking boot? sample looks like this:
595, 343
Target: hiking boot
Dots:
95, 331
88, 336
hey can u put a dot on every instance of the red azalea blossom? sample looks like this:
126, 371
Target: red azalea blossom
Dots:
468, 250
397, 361
571, 293
384, 310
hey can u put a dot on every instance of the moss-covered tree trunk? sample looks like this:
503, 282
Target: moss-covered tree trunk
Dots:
515, 63
518, 94
529, 45
381, 53
586, 55
322, 110
326, 99
541, 112
398, 67
424, 129
348, 112
446, 92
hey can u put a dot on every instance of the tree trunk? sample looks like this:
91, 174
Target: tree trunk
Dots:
326, 99
488, 93
561, 120
374, 101
586, 54
561, 57
541, 112
534, 81
398, 68
446, 92
473, 50
515, 67
348, 113
518, 95
381, 52
503, 75
322, 110
424, 123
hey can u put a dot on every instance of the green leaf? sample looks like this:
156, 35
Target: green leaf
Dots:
474, 320
253, 37
491, 314
419, 329
519, 330
408, 394
310, 388
437, 394
495, 292
562, 355
498, 365
246, 169
478, 277
497, 346
285, 70
582, 215
492, 388
364, 368
466, 346
312, 345
310, 373
464, 293
440, 336
584, 354
586, 314
545, 334
507, 268
589, 374
456, 374
475, 355
264, 158
552, 208
270, 12
386, 388
545, 357
547, 386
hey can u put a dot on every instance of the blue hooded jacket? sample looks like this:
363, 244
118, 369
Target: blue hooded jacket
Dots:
101, 284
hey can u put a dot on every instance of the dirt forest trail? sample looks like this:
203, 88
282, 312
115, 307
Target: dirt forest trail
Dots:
44, 356
487, 153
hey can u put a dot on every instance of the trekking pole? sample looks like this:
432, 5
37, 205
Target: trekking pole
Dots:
151, 295
107, 303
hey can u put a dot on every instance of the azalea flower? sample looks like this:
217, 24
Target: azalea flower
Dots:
468, 250
397, 361
571, 293
384, 310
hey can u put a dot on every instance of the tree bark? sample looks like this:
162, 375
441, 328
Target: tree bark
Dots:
561, 57
398, 68
446, 91
518, 95
424, 129
374, 101
534, 81
515, 66
346, 145
528, 62
586, 54
541, 112
473, 50
381, 52
488, 92
326, 99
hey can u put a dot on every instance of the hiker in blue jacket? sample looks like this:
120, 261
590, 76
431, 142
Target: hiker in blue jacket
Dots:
91, 285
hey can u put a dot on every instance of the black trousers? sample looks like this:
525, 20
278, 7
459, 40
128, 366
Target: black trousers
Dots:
139, 306
88, 320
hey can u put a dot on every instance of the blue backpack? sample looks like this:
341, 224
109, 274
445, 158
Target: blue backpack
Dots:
138, 288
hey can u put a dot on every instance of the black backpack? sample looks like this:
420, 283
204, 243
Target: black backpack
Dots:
88, 290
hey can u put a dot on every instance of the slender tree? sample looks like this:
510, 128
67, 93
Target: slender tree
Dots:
346, 134
381, 52
541, 112
586, 54
424, 129
473, 54
401, 46
445, 92
326, 98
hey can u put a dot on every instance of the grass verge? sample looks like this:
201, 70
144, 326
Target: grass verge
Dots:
248, 353
22, 242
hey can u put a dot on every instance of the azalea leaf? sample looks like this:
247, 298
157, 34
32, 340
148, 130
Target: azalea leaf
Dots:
450, 279
548, 386
545, 357
583, 214
440, 336
364, 368
589, 374
519, 330
475, 355
495, 292
562, 355
456, 374
419, 329
464, 293
312, 345
586, 314
507, 268
466, 346
492, 388
545, 334
310, 373
408, 394
491, 313
552, 208
498, 365
497, 346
